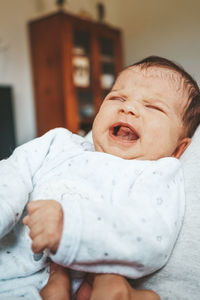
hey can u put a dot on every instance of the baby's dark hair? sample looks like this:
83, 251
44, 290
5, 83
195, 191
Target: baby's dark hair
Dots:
191, 116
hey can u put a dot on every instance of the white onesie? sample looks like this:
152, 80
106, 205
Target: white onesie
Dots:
120, 216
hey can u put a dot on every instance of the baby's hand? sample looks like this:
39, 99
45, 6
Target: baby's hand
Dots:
45, 220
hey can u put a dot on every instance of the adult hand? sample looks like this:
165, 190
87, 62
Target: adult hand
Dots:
112, 287
86, 288
58, 286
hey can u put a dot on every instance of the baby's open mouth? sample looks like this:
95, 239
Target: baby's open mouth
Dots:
124, 132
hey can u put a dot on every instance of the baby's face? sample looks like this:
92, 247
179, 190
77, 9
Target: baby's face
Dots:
141, 118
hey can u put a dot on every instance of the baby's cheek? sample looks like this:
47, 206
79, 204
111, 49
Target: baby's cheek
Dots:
158, 145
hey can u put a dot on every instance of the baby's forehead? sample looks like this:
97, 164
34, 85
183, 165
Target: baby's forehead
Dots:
163, 73
171, 78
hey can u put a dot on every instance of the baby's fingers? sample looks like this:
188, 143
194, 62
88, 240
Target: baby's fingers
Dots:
35, 205
35, 231
39, 243
26, 220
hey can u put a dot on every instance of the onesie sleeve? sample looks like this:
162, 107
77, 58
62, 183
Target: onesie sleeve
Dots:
134, 232
16, 178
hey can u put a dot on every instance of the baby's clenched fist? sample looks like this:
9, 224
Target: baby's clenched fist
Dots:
45, 221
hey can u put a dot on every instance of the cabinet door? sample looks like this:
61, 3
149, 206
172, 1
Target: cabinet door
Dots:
69, 91
110, 57
92, 59
82, 75
96, 60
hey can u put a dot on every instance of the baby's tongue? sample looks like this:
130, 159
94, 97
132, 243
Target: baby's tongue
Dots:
126, 133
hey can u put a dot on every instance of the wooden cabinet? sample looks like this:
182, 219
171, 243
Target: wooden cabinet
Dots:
74, 63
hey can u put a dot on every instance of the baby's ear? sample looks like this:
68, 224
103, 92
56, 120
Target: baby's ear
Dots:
183, 144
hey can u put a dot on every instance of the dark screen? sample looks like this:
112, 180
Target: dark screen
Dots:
7, 135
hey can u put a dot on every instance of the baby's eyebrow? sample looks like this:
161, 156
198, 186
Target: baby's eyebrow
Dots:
117, 93
114, 90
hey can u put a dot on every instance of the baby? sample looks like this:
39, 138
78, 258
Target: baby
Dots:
116, 210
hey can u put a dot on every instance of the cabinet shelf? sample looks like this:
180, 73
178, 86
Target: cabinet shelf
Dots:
81, 88
86, 120
107, 59
73, 99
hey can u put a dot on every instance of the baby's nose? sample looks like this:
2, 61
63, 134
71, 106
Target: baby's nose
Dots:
132, 110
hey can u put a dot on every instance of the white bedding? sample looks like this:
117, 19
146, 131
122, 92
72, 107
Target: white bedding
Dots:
179, 279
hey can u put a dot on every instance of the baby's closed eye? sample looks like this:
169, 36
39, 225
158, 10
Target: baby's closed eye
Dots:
116, 98
155, 107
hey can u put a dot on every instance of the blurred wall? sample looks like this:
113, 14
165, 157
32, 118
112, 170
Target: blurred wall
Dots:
154, 27
15, 67
168, 28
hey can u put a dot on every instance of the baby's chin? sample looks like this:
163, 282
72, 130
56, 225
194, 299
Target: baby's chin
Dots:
119, 153
127, 155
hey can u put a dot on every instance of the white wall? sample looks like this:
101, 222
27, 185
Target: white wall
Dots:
15, 67
168, 28
14, 63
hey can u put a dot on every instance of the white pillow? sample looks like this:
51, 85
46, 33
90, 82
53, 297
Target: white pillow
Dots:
179, 279
192, 152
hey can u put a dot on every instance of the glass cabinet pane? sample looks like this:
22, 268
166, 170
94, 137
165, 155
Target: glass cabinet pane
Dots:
81, 58
86, 109
107, 47
85, 103
82, 79
82, 41
107, 63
